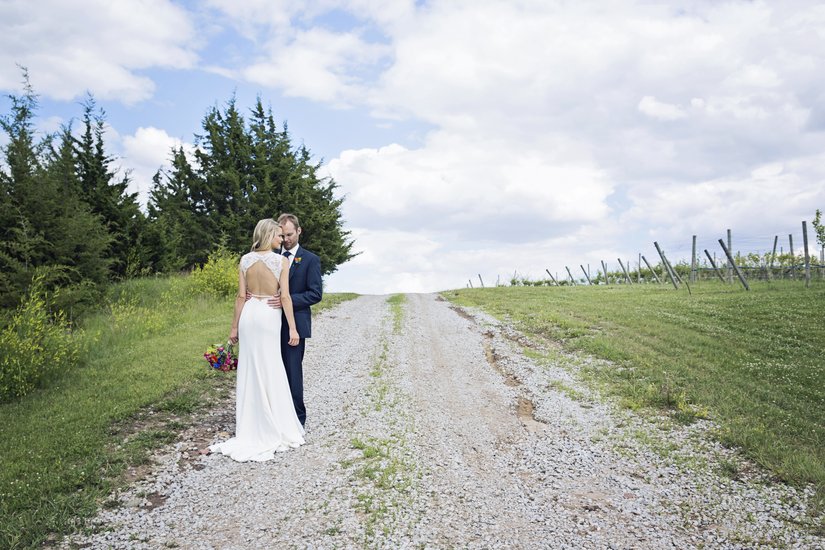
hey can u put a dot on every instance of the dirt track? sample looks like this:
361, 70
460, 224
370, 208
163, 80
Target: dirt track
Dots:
439, 432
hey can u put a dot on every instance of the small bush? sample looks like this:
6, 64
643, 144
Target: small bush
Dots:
37, 345
219, 275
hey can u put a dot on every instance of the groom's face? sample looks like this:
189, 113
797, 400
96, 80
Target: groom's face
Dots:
291, 234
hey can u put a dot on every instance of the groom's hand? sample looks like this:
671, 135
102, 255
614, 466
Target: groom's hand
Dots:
274, 302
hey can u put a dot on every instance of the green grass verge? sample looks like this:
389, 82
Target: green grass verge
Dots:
755, 360
66, 446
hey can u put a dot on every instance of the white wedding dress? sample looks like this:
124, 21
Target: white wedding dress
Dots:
265, 419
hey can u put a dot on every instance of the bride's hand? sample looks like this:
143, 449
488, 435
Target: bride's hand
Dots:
233, 336
294, 339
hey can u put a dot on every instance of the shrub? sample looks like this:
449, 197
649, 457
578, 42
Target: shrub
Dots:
36, 345
219, 275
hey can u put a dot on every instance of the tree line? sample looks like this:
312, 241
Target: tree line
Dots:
68, 216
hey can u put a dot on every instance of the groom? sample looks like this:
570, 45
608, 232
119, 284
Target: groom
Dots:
305, 288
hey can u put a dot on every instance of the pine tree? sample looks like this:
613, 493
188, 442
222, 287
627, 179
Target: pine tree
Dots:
108, 196
21, 244
46, 224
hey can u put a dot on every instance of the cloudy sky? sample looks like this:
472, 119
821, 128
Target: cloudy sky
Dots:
472, 137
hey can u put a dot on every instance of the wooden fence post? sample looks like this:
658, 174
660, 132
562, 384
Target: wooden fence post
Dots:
651, 270
639, 273
586, 274
626, 275
773, 256
807, 256
471, 282
730, 264
666, 266
793, 257
480, 279
551, 277
713, 264
735, 267
693, 262
604, 270
572, 280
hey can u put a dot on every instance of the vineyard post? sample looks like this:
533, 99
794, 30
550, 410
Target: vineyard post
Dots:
666, 265
793, 258
639, 273
586, 274
735, 267
471, 282
807, 255
773, 256
480, 279
626, 275
604, 270
678, 277
551, 277
693, 262
572, 280
822, 262
730, 261
713, 264
651, 270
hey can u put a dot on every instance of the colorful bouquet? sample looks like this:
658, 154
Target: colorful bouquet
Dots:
221, 357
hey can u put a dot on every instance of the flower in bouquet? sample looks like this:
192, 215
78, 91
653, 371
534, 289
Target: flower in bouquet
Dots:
221, 357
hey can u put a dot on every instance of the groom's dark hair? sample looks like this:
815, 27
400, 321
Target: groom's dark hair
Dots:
283, 218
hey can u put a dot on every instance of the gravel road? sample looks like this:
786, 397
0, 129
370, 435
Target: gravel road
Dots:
434, 427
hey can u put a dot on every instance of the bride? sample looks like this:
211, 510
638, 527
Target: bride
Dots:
265, 420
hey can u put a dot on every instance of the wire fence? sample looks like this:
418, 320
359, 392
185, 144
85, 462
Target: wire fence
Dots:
721, 263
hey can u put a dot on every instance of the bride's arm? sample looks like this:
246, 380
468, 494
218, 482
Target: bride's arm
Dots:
286, 304
240, 300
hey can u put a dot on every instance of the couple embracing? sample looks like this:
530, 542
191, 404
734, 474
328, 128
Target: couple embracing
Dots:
278, 282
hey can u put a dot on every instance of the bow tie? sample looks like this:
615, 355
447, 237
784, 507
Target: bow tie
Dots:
287, 253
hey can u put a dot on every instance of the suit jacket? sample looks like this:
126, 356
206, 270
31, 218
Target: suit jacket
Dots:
305, 288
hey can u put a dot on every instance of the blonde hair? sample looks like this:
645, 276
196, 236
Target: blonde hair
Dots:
264, 233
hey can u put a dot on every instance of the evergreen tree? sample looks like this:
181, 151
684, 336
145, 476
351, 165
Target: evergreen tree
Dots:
179, 235
46, 224
108, 197
21, 244
79, 238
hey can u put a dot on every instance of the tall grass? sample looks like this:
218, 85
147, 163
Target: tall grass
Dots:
755, 360
65, 445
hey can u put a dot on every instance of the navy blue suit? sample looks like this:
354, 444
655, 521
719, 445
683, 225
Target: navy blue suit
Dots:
305, 289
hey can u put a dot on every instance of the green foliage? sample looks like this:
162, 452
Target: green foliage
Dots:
219, 275
108, 197
819, 228
46, 220
36, 345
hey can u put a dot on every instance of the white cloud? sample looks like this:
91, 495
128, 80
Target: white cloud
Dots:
144, 152
654, 108
316, 64
94, 45
771, 198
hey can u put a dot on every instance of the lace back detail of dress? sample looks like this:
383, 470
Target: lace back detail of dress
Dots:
273, 261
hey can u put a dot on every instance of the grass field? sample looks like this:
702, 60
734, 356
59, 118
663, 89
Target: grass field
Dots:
755, 361
67, 445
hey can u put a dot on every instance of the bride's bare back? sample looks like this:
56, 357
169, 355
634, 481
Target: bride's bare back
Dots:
261, 281
261, 272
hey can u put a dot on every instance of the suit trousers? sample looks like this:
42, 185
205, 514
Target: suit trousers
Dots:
293, 357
